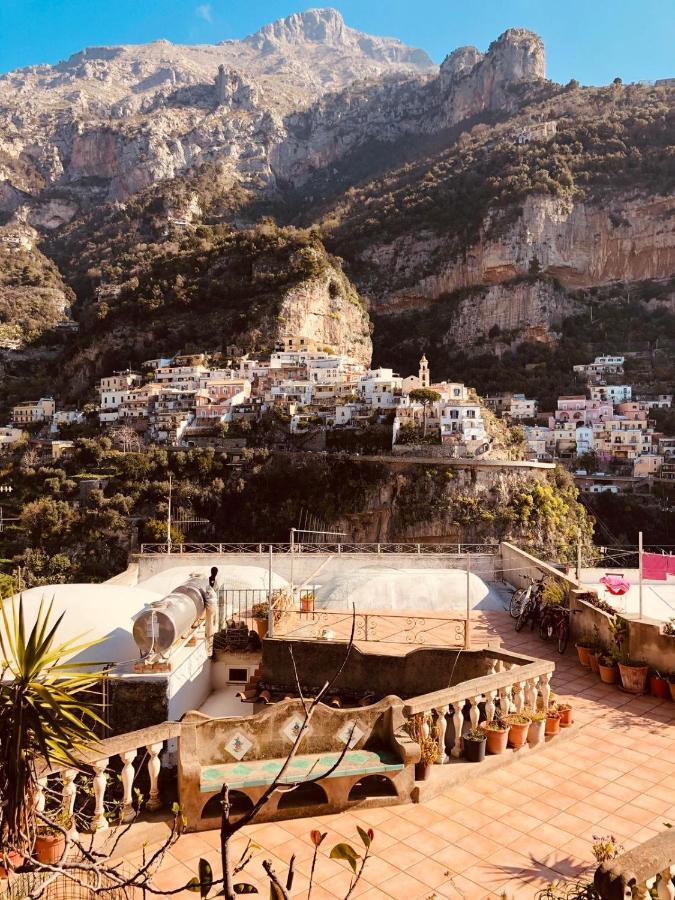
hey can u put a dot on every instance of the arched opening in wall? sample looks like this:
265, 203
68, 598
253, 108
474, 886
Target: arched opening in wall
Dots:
240, 804
310, 794
373, 786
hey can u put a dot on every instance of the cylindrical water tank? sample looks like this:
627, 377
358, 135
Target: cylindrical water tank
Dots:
159, 626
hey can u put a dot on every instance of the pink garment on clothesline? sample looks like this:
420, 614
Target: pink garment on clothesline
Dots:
657, 566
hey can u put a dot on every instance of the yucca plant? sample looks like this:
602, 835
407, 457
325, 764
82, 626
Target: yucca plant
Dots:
47, 713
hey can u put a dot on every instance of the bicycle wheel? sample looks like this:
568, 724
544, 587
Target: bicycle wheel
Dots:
543, 628
563, 636
516, 604
522, 618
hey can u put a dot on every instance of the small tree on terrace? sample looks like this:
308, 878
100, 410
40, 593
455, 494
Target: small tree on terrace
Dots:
426, 397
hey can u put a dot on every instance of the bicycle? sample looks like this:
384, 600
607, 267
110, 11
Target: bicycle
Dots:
531, 609
555, 620
519, 598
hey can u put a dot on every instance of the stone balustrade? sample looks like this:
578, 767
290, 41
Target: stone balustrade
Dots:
514, 683
131, 750
642, 873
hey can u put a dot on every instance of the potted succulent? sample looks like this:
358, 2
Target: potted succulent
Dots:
552, 721
607, 669
50, 841
565, 711
535, 731
497, 734
519, 725
583, 651
474, 742
658, 685
260, 613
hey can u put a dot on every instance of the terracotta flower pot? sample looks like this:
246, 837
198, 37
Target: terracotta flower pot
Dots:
518, 734
422, 771
671, 685
633, 678
583, 654
608, 674
474, 751
497, 740
307, 604
565, 717
659, 687
552, 726
261, 626
15, 860
593, 660
49, 848
535, 732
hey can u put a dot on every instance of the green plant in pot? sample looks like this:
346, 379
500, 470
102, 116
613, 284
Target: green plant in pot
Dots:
474, 742
633, 674
537, 726
607, 667
565, 711
658, 685
519, 724
47, 714
497, 734
583, 651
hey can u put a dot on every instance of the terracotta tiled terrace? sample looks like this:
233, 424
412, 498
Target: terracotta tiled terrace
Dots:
510, 831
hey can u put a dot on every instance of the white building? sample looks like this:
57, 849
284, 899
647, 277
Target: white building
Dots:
522, 408
381, 388
10, 436
34, 412
462, 418
614, 393
113, 391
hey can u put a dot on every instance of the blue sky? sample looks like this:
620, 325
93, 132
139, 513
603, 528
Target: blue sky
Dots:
591, 40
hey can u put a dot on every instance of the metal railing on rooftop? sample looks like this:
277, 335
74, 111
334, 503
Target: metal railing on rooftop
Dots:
455, 549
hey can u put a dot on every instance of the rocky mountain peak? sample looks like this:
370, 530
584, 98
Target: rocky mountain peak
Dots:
458, 63
518, 54
324, 26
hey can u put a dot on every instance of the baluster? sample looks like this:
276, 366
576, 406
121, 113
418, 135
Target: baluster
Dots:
474, 712
99, 822
518, 696
490, 705
154, 765
545, 688
458, 721
493, 667
531, 693
442, 727
40, 795
68, 793
665, 889
128, 813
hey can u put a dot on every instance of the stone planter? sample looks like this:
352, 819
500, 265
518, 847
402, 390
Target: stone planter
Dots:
535, 733
633, 678
584, 658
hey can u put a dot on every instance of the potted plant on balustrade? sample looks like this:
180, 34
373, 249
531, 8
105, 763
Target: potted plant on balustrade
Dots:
497, 734
47, 717
519, 724
421, 729
633, 674
552, 720
50, 840
260, 613
537, 726
474, 742
565, 712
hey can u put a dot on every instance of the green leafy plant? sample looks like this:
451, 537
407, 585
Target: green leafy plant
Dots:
47, 712
474, 734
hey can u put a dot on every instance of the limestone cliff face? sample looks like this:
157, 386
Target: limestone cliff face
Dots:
327, 310
629, 238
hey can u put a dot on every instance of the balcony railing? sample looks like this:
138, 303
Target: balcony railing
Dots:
644, 872
417, 549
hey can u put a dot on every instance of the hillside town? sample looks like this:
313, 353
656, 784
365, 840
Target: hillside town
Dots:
312, 392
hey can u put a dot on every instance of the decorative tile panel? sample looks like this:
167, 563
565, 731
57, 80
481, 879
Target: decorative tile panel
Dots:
238, 745
350, 734
291, 729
